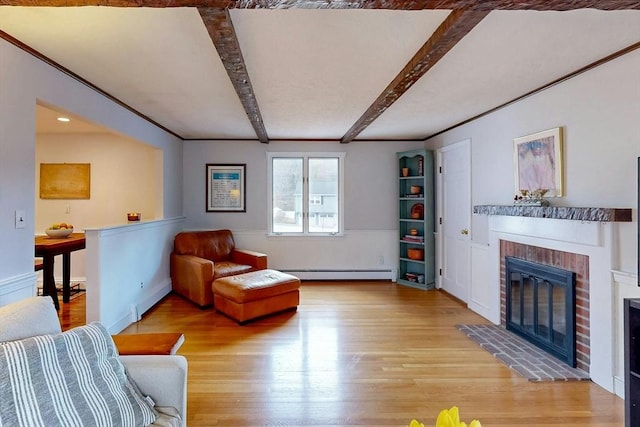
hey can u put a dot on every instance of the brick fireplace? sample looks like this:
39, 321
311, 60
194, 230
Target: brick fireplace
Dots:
582, 240
577, 263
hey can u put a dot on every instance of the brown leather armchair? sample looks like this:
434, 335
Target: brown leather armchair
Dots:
200, 257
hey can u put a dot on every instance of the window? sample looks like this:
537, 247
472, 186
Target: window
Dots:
305, 193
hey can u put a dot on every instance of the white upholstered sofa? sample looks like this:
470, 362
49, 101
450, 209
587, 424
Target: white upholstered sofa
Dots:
76, 377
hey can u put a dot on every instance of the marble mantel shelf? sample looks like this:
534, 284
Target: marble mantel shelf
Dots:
557, 212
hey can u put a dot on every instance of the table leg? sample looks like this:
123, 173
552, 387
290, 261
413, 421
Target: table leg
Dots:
49, 281
66, 276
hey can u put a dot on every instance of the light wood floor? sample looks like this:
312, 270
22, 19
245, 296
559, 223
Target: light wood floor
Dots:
358, 354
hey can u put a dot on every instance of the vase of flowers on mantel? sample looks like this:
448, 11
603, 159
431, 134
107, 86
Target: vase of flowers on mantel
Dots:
531, 198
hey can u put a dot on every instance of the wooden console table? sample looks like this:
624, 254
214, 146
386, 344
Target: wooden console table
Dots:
155, 343
47, 248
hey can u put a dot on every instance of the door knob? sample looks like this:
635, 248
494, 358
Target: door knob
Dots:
464, 231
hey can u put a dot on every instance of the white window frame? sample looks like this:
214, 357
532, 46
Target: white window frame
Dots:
305, 199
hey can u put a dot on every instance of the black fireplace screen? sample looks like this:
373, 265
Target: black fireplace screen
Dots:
540, 306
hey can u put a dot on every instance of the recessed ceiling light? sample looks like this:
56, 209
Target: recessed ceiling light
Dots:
64, 119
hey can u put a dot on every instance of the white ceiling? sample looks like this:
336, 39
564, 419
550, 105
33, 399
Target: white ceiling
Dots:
47, 122
314, 72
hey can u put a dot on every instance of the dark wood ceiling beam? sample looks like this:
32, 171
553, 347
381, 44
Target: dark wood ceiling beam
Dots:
463, 18
444, 38
344, 4
436, 4
220, 29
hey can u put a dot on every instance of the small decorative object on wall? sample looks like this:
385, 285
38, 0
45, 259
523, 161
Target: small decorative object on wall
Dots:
226, 188
538, 164
65, 180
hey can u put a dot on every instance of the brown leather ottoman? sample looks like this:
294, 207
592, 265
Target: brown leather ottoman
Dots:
247, 296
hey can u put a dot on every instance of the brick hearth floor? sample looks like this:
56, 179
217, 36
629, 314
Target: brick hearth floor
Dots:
524, 358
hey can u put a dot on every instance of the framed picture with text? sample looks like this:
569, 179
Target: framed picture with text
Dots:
226, 188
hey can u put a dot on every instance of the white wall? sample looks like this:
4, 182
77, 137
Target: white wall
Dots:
371, 205
599, 111
123, 179
24, 80
128, 270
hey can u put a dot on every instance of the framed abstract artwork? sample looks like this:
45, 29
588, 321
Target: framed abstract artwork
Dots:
538, 163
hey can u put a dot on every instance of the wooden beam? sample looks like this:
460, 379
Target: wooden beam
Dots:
463, 18
346, 4
445, 37
220, 29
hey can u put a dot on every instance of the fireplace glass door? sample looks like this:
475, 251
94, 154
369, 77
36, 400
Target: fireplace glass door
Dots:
541, 306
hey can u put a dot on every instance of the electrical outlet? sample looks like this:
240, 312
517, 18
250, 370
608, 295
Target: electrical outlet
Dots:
67, 208
380, 260
21, 220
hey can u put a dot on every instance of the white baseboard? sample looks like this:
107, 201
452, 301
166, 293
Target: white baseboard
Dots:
80, 280
372, 274
618, 386
158, 292
135, 311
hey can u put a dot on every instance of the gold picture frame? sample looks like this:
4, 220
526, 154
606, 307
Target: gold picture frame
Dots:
65, 180
538, 163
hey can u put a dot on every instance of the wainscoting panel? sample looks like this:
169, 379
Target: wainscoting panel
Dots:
625, 285
481, 297
358, 255
16, 288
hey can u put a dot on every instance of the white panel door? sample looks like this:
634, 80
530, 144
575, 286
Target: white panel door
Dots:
455, 218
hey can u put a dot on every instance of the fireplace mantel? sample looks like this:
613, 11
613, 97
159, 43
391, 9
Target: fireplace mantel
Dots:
557, 212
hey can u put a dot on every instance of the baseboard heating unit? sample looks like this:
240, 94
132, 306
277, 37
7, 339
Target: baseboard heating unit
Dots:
306, 274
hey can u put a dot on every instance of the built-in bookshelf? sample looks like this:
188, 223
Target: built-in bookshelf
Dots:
416, 263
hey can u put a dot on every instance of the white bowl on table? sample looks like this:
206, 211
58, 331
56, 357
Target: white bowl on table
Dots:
58, 233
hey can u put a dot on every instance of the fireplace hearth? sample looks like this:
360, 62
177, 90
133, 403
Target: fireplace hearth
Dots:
540, 306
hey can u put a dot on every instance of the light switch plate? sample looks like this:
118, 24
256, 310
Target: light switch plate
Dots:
21, 220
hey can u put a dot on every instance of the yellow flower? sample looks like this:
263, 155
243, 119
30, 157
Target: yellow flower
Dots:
451, 418
447, 418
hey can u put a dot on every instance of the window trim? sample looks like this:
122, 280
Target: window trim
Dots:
305, 167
